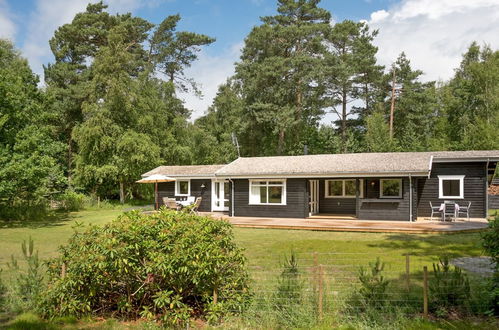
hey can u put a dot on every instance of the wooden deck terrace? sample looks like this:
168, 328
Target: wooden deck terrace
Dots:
351, 224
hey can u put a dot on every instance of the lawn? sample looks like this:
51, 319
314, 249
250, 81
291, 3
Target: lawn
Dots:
339, 252
263, 247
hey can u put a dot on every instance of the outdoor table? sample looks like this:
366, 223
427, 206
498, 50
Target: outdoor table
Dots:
184, 203
442, 209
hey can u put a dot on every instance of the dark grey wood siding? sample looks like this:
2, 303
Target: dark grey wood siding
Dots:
493, 202
334, 205
296, 201
167, 189
374, 208
474, 187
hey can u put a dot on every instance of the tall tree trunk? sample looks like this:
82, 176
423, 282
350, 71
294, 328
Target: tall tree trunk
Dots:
70, 160
122, 192
280, 145
392, 106
344, 119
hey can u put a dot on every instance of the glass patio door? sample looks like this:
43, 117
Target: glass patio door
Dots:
220, 196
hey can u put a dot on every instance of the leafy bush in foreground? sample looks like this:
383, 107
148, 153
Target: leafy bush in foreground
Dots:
164, 266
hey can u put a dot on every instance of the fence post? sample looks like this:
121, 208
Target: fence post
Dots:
215, 296
320, 291
425, 291
315, 270
407, 273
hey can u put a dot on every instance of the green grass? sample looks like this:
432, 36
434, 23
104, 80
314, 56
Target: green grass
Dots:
265, 248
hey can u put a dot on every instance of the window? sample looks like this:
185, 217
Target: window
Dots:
451, 186
268, 192
182, 188
343, 188
391, 188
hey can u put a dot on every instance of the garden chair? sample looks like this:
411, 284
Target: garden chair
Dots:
464, 210
450, 210
196, 205
171, 203
435, 210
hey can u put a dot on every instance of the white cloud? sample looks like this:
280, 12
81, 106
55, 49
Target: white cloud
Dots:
379, 15
7, 26
434, 34
210, 72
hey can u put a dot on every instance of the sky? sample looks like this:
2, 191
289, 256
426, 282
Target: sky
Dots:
433, 33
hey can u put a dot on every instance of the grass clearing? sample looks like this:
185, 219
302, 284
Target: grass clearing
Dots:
266, 248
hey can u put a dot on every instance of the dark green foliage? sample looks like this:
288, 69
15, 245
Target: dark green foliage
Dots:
28, 286
490, 242
164, 266
372, 291
73, 201
449, 289
3, 290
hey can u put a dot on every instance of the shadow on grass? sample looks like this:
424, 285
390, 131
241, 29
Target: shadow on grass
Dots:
53, 219
453, 245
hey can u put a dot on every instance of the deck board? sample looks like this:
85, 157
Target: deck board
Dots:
377, 226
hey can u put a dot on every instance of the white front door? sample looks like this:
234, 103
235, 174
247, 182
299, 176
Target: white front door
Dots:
314, 197
220, 193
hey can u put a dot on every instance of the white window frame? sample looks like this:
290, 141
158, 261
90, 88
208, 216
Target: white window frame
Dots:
328, 195
177, 187
441, 178
252, 201
381, 188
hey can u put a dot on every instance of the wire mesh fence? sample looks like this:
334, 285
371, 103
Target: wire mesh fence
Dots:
320, 284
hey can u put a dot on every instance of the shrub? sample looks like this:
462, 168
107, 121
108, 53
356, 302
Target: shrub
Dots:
288, 299
450, 288
73, 201
373, 284
27, 288
490, 242
165, 266
3, 289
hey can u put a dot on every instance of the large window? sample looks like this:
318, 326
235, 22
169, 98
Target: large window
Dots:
390, 188
182, 188
451, 186
267, 192
343, 188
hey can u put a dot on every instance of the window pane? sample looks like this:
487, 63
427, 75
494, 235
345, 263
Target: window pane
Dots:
263, 194
183, 187
350, 188
255, 194
335, 188
276, 182
275, 195
391, 188
451, 187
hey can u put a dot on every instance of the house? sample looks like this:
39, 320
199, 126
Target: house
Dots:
366, 186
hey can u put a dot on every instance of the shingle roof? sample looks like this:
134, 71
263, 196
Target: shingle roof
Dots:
185, 170
345, 164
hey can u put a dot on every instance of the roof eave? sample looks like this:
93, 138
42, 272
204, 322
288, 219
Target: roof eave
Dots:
323, 175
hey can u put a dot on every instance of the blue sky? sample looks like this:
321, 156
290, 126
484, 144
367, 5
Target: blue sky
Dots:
433, 33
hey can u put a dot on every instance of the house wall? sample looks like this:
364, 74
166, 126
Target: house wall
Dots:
475, 183
374, 208
296, 201
167, 189
334, 205
493, 202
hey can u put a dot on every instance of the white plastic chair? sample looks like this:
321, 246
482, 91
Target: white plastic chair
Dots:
434, 210
464, 210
